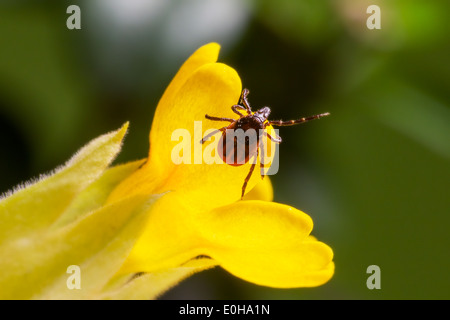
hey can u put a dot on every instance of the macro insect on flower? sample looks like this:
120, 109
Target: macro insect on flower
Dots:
137, 229
242, 147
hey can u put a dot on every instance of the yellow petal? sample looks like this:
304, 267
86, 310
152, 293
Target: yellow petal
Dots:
169, 238
307, 264
261, 242
211, 90
267, 244
262, 191
204, 55
166, 114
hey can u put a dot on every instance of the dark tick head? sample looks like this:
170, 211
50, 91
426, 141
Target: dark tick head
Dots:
263, 113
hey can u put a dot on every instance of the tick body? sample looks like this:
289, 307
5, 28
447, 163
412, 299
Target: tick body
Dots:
241, 148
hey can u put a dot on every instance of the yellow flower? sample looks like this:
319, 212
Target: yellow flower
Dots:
199, 214
135, 230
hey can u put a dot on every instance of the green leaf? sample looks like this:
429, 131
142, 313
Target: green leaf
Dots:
95, 195
38, 204
152, 285
36, 266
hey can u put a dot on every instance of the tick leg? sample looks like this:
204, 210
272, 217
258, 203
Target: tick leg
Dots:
219, 119
281, 123
276, 140
146, 160
209, 135
261, 160
235, 109
247, 178
244, 100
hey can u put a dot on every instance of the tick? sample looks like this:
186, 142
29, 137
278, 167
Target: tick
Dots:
257, 121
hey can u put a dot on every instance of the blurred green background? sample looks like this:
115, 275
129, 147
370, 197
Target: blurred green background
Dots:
374, 175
